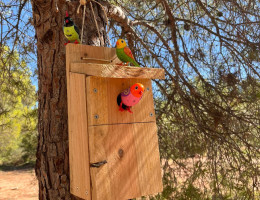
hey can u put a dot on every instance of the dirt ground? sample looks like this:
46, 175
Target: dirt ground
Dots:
18, 185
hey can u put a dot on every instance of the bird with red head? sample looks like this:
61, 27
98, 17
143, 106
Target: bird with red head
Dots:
130, 97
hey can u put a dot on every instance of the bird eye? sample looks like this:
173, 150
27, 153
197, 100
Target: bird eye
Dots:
136, 87
122, 41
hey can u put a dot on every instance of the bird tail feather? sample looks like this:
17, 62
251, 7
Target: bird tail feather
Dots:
136, 64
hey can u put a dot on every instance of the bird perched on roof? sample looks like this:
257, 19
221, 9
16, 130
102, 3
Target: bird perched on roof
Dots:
130, 97
124, 53
71, 31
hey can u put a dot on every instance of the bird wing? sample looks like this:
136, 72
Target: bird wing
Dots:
126, 92
128, 52
76, 29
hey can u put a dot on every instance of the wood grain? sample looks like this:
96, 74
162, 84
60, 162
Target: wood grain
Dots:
133, 164
76, 53
116, 71
91, 54
102, 101
78, 138
99, 131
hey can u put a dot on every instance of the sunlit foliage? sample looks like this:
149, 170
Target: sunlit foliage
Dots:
17, 110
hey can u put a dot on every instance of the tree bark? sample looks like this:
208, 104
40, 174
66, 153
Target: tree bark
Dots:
52, 165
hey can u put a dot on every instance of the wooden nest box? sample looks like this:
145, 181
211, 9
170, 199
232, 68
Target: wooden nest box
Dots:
113, 155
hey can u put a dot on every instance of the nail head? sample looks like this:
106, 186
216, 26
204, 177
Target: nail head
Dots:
120, 153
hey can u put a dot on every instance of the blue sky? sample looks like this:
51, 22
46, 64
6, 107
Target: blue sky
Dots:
9, 10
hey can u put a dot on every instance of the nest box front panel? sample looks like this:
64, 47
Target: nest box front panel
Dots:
132, 164
102, 104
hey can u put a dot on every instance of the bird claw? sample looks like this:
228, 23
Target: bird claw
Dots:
121, 108
129, 110
123, 64
76, 42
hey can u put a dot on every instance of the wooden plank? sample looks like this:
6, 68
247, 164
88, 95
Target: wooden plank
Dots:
81, 54
87, 54
78, 138
133, 164
78, 53
91, 54
116, 71
102, 101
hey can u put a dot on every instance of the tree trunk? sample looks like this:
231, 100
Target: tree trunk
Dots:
52, 165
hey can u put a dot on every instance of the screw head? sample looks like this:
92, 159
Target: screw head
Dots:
95, 90
151, 114
96, 116
86, 192
120, 153
148, 89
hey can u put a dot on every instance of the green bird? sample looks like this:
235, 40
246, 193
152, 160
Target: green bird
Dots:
124, 53
71, 31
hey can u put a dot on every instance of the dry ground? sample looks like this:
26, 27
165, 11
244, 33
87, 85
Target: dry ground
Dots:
18, 185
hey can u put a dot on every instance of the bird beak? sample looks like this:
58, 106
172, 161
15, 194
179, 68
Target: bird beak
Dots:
117, 43
141, 92
67, 21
